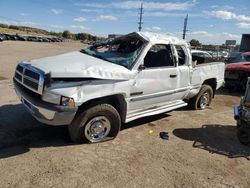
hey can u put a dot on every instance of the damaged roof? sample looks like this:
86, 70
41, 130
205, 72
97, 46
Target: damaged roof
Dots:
157, 38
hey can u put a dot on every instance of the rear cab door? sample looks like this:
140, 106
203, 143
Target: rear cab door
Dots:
183, 67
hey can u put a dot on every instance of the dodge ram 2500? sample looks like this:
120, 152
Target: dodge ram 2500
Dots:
98, 88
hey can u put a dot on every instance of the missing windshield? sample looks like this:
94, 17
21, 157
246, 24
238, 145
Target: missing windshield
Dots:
122, 51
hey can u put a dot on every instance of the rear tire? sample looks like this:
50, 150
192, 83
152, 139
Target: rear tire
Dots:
202, 99
96, 124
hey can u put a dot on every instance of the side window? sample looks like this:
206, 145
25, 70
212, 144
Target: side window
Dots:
198, 57
181, 55
207, 55
159, 56
200, 54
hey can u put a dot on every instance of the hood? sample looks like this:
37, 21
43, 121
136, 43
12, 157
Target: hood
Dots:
80, 65
244, 66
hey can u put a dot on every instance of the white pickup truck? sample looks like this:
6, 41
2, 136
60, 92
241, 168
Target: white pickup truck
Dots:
95, 90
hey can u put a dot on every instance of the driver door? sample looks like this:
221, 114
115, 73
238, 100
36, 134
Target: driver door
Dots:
156, 81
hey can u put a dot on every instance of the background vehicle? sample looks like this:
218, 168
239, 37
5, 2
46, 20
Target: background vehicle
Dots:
201, 56
242, 116
232, 57
236, 73
97, 89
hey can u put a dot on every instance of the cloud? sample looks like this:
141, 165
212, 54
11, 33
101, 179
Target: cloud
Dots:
20, 23
106, 17
243, 25
169, 14
57, 26
5, 22
154, 28
72, 28
200, 33
91, 10
227, 15
56, 11
231, 36
207, 34
94, 5
24, 14
150, 5
29, 23
79, 19
79, 27
211, 38
224, 7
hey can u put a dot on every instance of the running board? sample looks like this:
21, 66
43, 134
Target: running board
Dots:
158, 110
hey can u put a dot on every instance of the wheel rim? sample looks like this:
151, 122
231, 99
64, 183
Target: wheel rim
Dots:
204, 100
97, 129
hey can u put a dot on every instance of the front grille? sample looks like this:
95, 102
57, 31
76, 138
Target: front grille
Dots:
19, 68
18, 76
30, 77
30, 83
31, 74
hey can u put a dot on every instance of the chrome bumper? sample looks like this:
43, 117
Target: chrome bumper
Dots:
45, 112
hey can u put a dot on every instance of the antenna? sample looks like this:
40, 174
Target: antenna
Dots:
185, 27
140, 17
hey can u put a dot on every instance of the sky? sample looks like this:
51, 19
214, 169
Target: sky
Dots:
209, 21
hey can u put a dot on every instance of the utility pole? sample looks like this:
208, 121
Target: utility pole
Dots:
140, 17
185, 27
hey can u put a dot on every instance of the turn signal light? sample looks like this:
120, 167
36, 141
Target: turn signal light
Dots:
67, 101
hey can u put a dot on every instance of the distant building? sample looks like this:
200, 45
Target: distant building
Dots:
230, 42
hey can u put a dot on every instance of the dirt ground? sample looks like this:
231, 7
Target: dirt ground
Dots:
202, 150
12, 52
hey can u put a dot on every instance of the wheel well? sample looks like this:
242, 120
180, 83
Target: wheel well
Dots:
117, 101
211, 82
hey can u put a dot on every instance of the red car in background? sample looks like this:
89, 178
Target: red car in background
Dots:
237, 71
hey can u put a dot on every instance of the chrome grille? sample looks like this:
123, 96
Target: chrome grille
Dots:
30, 77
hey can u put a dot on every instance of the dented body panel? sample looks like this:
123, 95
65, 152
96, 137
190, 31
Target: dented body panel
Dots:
79, 65
145, 91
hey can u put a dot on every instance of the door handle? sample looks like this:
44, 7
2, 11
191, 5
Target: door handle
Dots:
173, 75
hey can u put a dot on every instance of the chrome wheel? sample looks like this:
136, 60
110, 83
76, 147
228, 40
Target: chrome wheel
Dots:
204, 100
97, 128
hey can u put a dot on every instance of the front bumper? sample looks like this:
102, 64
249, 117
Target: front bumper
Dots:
236, 112
43, 111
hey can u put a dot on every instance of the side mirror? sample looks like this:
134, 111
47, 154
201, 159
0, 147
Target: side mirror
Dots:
141, 67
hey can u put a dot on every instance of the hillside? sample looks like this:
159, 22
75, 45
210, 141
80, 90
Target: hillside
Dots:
24, 30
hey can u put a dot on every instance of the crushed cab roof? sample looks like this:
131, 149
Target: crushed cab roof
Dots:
161, 38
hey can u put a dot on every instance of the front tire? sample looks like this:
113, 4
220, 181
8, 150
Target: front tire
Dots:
243, 135
202, 99
96, 124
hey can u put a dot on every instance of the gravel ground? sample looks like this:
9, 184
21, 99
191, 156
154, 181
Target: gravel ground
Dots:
202, 150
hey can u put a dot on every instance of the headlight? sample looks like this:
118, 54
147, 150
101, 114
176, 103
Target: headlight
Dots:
51, 98
67, 101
